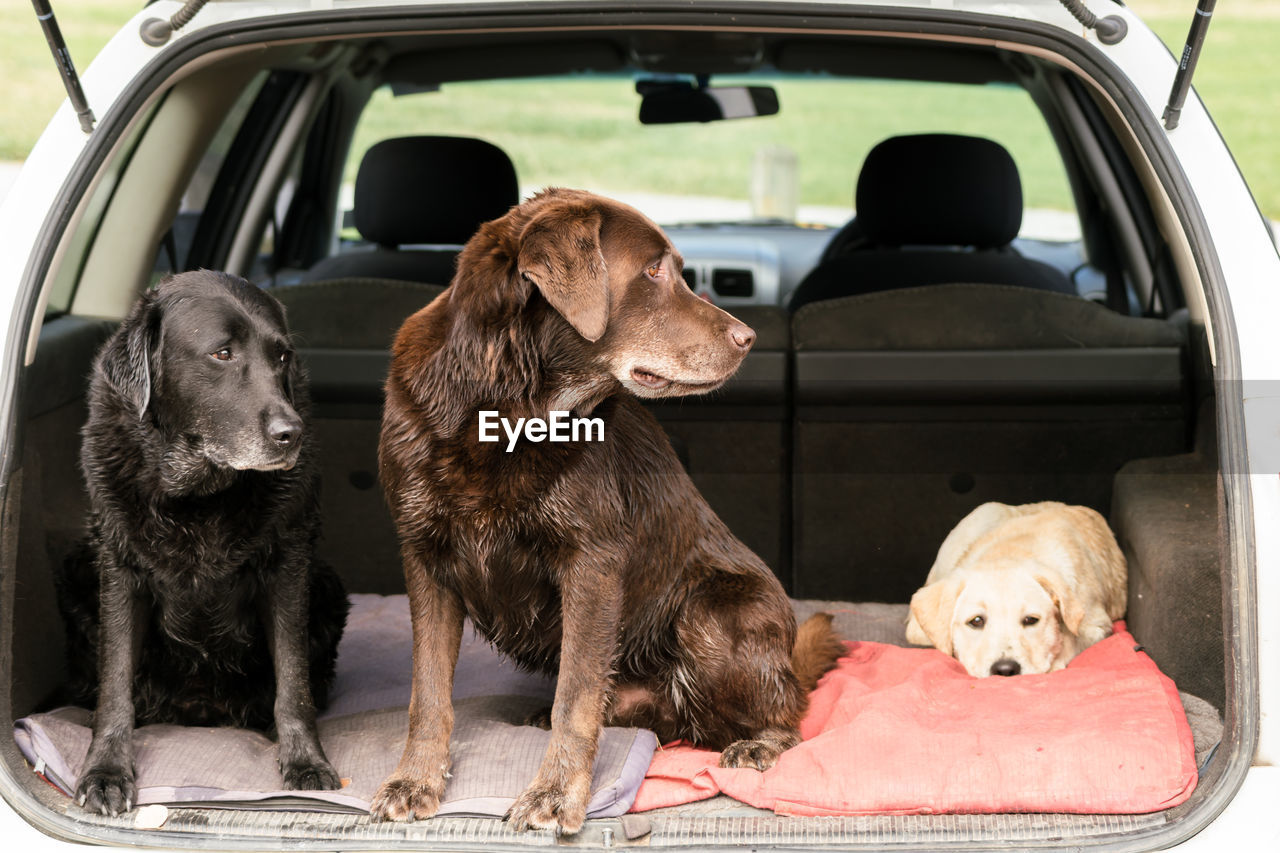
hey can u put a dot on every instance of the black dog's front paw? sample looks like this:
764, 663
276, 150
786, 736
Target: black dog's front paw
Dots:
311, 776
106, 791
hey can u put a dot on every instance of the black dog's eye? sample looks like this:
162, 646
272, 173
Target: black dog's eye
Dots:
223, 354
285, 357
977, 622
1028, 621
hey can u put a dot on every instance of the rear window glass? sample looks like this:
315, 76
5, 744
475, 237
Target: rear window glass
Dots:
584, 132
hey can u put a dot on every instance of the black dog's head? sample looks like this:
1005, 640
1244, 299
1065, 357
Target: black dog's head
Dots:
206, 359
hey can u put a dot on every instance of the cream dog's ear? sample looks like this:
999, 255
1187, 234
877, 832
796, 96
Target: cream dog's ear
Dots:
1064, 598
931, 609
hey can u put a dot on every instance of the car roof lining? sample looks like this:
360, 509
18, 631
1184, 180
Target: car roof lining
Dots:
881, 59
486, 62
422, 61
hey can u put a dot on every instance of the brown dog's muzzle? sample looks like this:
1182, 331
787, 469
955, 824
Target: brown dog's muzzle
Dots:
693, 349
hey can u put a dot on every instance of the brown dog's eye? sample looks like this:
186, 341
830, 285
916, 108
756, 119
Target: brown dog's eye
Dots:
1028, 621
977, 622
223, 354
654, 271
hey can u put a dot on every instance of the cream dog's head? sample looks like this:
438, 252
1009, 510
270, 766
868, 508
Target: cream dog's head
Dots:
1007, 618
1021, 589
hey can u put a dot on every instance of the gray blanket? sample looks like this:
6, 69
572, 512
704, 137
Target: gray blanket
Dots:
363, 732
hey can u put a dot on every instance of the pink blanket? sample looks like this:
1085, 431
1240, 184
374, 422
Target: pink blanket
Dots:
908, 731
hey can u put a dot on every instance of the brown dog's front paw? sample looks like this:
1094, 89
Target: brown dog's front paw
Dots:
405, 799
548, 807
311, 776
757, 754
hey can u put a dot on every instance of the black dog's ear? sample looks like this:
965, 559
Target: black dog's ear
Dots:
126, 359
560, 253
294, 373
295, 379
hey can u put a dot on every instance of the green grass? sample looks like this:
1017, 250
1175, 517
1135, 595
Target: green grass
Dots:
547, 135
32, 88
1234, 79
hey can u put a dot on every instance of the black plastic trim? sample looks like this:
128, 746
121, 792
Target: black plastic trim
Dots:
240, 169
1129, 375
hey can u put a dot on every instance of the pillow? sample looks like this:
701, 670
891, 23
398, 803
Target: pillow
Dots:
907, 731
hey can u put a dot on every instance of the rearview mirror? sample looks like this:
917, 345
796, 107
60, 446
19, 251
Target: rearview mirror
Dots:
663, 103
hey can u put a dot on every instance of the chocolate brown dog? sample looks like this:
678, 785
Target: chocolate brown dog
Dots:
599, 558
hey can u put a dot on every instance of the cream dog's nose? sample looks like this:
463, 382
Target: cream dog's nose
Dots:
1005, 666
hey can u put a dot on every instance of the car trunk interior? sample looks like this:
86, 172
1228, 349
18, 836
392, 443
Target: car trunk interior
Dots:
857, 433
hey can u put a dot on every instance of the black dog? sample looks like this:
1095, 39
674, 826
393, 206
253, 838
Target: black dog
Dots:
203, 489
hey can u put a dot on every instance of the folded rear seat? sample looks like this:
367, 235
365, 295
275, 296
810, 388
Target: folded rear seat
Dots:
343, 331
913, 406
735, 441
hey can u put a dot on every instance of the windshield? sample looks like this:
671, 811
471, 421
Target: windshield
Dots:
799, 166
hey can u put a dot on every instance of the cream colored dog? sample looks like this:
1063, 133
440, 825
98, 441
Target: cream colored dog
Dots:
1021, 589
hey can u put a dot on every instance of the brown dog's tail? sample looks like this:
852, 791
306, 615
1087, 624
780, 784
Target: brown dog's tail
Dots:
817, 649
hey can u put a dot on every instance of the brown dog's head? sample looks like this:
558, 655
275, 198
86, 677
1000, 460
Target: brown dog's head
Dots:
615, 277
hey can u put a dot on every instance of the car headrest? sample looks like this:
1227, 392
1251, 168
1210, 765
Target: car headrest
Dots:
431, 189
939, 189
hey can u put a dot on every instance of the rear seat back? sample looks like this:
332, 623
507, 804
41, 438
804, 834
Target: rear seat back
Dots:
849, 442
735, 442
343, 331
913, 406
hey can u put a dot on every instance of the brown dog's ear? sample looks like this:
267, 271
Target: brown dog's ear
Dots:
931, 609
1069, 607
560, 253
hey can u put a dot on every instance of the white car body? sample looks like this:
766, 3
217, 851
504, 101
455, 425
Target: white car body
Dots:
1239, 237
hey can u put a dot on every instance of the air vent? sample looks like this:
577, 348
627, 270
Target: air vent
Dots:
730, 282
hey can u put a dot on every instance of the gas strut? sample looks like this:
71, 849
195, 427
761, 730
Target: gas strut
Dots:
1187, 65
62, 57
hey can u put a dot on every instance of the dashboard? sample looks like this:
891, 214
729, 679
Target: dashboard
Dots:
746, 264
735, 265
